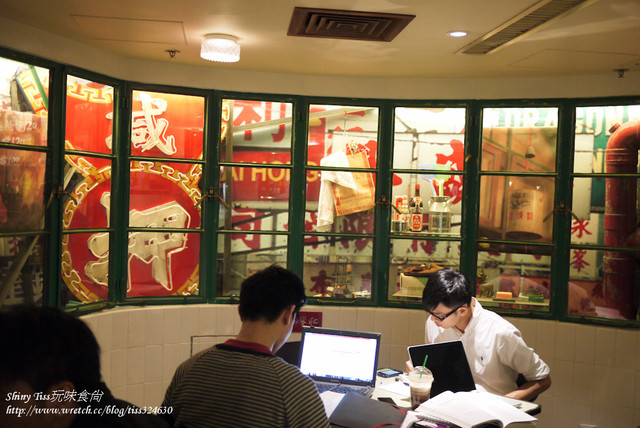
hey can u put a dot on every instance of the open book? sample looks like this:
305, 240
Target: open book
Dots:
467, 410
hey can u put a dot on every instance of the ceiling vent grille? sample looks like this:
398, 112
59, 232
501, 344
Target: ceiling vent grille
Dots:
347, 24
529, 20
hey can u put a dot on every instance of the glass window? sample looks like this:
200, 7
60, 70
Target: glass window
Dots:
167, 125
519, 139
512, 276
426, 197
241, 255
89, 116
605, 213
87, 182
255, 198
340, 200
24, 104
21, 270
516, 204
338, 267
163, 263
164, 197
256, 131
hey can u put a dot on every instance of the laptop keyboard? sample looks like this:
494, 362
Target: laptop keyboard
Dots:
342, 389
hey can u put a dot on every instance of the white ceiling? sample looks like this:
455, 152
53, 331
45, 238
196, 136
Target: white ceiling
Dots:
600, 37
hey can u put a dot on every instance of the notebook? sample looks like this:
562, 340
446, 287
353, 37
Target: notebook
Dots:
448, 363
340, 360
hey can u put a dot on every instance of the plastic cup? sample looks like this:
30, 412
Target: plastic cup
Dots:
420, 381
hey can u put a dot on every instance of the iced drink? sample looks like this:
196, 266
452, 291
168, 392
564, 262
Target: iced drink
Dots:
420, 380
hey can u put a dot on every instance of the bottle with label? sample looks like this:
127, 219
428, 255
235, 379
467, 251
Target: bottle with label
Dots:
416, 211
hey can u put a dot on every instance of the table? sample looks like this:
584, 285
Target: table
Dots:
395, 389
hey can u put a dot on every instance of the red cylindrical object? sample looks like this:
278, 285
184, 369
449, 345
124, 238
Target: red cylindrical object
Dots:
620, 218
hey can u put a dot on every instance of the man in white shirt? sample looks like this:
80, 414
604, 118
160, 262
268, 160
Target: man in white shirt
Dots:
495, 349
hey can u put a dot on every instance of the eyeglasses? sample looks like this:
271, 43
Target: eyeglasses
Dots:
444, 317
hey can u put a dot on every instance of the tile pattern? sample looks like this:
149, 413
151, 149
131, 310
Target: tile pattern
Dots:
595, 370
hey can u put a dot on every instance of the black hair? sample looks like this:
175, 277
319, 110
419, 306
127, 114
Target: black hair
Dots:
43, 346
446, 286
265, 294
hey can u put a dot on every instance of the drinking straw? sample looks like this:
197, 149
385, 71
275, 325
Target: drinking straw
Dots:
424, 363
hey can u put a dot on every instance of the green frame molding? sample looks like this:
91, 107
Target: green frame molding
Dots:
211, 154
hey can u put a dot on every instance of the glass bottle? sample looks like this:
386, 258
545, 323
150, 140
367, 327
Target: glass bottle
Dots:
416, 211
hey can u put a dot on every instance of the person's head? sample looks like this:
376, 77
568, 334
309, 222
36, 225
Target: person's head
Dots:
266, 294
446, 291
45, 350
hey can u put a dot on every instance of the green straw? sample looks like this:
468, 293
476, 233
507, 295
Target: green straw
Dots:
424, 363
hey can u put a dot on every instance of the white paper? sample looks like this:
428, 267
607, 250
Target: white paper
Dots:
330, 400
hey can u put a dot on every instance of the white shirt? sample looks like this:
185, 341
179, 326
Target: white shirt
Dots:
495, 350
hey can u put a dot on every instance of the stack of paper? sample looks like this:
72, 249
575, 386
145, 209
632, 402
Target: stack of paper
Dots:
467, 410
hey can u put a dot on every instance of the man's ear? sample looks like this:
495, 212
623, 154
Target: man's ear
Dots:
288, 314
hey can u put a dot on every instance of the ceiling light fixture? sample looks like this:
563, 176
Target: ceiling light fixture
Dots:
458, 33
220, 48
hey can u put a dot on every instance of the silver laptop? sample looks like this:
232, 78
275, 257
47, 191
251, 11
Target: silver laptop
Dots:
340, 360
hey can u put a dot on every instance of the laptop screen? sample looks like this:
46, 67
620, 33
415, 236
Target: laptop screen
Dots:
448, 363
339, 356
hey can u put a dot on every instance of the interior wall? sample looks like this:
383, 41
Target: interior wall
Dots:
29, 40
595, 371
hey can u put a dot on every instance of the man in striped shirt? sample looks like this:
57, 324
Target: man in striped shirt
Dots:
241, 383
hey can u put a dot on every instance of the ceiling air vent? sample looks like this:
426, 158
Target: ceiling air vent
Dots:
347, 24
532, 18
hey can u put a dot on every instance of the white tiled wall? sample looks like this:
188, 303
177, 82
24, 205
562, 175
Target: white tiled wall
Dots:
595, 370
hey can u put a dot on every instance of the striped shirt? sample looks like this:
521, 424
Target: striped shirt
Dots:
240, 386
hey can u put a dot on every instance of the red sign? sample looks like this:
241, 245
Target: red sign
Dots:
308, 319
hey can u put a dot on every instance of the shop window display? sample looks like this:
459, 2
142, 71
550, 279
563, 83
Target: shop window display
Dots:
605, 213
340, 199
516, 204
254, 192
426, 197
23, 158
165, 195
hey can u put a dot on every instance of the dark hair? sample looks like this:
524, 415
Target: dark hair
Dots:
42, 346
446, 286
265, 294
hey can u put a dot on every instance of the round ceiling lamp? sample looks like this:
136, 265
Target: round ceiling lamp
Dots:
458, 33
220, 48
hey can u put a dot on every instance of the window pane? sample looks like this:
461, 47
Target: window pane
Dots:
519, 139
85, 266
602, 283
163, 263
606, 213
335, 207
510, 278
336, 130
21, 270
21, 190
594, 126
24, 88
429, 138
164, 195
413, 260
89, 116
256, 131
167, 125
441, 200
258, 198
339, 267
241, 255
89, 202
516, 208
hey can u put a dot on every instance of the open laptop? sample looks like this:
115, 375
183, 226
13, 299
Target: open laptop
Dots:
448, 363
340, 360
